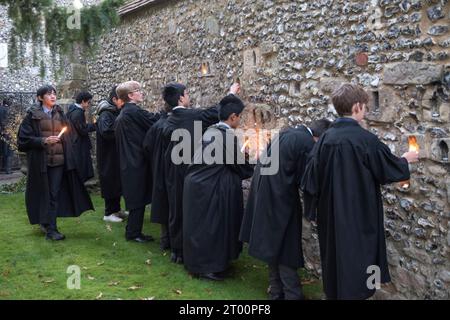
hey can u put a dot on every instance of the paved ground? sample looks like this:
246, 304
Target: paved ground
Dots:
10, 178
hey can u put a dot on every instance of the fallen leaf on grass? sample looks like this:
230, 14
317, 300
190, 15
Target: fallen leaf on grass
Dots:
113, 283
177, 291
96, 239
109, 228
149, 298
90, 277
114, 244
49, 281
133, 288
208, 290
99, 296
148, 262
85, 268
101, 263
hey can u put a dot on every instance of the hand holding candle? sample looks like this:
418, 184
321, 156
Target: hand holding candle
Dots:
411, 156
235, 88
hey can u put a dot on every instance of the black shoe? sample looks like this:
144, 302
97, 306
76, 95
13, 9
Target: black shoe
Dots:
279, 296
149, 238
164, 245
176, 257
139, 239
44, 228
54, 235
210, 276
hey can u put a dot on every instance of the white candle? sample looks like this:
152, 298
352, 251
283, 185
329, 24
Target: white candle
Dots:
62, 132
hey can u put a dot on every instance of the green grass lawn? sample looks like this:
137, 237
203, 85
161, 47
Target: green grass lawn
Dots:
111, 268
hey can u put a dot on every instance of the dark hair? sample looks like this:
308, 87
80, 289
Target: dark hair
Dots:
229, 105
346, 96
112, 94
172, 93
318, 127
42, 91
83, 96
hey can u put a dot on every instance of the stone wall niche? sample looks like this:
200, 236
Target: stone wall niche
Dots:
435, 104
384, 105
252, 60
206, 69
440, 150
295, 89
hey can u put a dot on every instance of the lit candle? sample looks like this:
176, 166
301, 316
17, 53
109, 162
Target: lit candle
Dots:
62, 132
204, 69
413, 146
247, 142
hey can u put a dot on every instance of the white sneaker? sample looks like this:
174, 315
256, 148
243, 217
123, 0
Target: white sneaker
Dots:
112, 218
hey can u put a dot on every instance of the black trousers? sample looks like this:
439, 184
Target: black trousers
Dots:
6, 155
112, 206
135, 223
55, 176
284, 283
165, 239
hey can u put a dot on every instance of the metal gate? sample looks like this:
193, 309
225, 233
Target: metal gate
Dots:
16, 105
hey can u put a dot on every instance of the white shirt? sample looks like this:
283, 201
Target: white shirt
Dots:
47, 111
79, 106
224, 124
179, 107
309, 131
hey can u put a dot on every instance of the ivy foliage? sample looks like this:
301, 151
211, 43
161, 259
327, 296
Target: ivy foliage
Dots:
46, 25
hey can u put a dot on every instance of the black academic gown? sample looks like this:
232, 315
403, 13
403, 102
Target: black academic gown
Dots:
4, 148
175, 173
131, 126
273, 218
73, 197
155, 146
347, 167
107, 156
81, 141
213, 207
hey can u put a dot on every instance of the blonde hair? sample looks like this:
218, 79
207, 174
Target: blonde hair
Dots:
125, 88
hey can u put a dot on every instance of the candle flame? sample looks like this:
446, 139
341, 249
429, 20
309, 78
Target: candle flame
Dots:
256, 141
204, 69
413, 145
62, 132
245, 145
